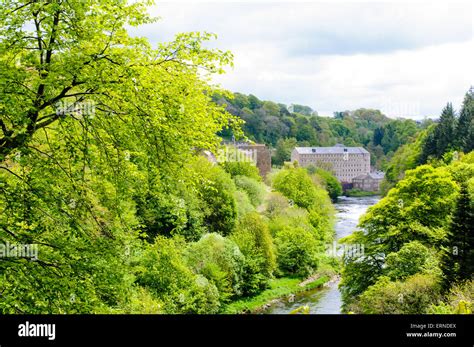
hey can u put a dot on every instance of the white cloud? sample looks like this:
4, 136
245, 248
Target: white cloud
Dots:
406, 58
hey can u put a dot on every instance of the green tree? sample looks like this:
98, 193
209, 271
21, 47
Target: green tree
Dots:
296, 184
218, 259
255, 190
93, 123
331, 183
283, 150
297, 251
419, 208
242, 168
216, 190
458, 256
254, 240
162, 269
443, 137
465, 126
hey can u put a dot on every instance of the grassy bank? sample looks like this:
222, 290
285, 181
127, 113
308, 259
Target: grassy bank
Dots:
279, 288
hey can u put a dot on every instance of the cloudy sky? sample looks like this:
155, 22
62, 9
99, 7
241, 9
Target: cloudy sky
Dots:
405, 58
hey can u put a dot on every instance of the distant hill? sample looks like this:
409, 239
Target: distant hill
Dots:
283, 127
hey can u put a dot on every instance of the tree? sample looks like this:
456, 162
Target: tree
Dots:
216, 190
419, 209
331, 183
458, 256
296, 184
409, 260
219, 260
242, 168
465, 126
297, 251
443, 137
283, 150
254, 240
93, 120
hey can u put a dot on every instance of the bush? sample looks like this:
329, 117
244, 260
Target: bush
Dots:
244, 205
413, 296
216, 190
459, 300
276, 204
296, 184
296, 250
168, 214
322, 224
242, 168
409, 260
254, 240
254, 189
163, 272
331, 183
220, 261
293, 217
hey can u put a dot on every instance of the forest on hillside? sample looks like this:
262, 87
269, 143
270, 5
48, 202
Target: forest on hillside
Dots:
284, 127
419, 239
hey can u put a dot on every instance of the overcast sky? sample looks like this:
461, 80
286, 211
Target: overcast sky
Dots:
407, 59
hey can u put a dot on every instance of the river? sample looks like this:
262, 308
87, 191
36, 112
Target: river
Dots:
327, 300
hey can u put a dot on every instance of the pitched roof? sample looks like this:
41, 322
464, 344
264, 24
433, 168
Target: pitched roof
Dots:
373, 175
338, 149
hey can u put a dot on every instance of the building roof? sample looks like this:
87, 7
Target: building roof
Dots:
373, 175
338, 149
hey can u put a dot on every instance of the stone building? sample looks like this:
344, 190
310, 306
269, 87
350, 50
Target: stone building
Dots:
262, 155
368, 182
345, 162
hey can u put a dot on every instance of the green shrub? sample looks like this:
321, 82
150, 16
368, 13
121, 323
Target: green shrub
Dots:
294, 217
330, 183
216, 190
254, 189
244, 205
276, 204
296, 251
412, 296
409, 260
220, 261
459, 300
296, 184
254, 240
242, 168
322, 224
163, 272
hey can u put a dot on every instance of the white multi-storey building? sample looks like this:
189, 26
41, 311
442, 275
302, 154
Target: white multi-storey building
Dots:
345, 162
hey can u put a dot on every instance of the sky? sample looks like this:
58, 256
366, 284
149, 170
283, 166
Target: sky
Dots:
407, 59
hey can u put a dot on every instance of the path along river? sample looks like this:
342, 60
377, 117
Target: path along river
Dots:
327, 300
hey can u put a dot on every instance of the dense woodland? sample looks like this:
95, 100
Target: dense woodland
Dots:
100, 144
419, 239
101, 167
283, 127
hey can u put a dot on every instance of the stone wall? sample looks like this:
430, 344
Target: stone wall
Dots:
263, 155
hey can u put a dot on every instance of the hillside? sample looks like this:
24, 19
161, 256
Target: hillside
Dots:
283, 127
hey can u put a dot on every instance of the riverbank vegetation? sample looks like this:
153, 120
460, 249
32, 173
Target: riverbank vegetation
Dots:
418, 240
101, 169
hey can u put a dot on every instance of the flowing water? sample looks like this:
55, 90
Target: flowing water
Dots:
327, 300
